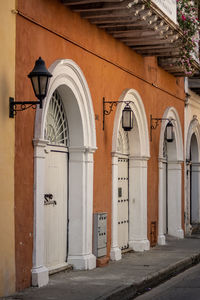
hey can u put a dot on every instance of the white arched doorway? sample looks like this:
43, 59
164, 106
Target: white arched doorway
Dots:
138, 154
193, 177
170, 180
68, 80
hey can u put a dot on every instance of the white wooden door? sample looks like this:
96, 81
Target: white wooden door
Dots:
55, 213
123, 203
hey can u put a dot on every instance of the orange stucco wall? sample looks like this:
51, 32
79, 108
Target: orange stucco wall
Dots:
48, 29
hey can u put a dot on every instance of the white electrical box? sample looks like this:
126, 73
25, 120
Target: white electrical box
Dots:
100, 234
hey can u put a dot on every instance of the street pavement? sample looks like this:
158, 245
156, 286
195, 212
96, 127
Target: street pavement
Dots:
120, 280
184, 286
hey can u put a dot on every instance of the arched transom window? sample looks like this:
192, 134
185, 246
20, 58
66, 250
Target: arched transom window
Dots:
123, 141
56, 128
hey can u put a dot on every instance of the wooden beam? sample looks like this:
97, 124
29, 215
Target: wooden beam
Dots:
114, 13
143, 33
173, 69
77, 2
164, 46
134, 33
168, 61
143, 42
152, 19
119, 31
158, 52
131, 24
114, 20
104, 6
194, 83
141, 39
139, 25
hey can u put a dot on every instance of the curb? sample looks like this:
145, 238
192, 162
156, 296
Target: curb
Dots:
153, 280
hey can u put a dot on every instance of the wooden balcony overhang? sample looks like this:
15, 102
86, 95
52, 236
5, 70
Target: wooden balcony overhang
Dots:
194, 84
139, 24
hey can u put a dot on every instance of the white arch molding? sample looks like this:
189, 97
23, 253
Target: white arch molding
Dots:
139, 155
70, 82
193, 130
175, 160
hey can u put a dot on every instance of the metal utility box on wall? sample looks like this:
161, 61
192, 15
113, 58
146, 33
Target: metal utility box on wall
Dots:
100, 234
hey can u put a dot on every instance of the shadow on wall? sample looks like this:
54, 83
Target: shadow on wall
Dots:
4, 96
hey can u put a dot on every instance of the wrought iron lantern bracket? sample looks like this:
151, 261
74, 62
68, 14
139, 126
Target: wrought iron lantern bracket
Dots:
155, 122
23, 105
111, 105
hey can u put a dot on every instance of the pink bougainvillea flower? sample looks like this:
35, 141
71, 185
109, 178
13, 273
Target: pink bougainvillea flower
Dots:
183, 18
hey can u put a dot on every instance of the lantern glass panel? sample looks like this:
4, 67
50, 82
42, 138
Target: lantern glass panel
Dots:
35, 85
127, 119
43, 85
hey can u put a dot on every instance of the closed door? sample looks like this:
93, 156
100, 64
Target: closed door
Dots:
123, 203
55, 210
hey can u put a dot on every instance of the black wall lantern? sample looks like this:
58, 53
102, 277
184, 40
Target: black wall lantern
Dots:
127, 118
154, 122
169, 132
127, 113
39, 77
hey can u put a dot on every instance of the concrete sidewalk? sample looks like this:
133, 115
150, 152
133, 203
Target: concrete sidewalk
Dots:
122, 279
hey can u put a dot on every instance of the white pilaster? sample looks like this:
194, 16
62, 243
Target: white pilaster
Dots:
81, 209
161, 210
40, 275
188, 227
115, 252
138, 204
174, 199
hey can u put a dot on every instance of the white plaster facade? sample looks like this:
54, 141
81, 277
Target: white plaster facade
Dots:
69, 80
171, 213
192, 129
138, 157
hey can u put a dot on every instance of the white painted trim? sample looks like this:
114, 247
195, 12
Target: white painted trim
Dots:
66, 72
171, 113
71, 84
194, 128
140, 116
174, 179
139, 154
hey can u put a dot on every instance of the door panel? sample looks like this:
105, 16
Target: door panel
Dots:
123, 203
55, 215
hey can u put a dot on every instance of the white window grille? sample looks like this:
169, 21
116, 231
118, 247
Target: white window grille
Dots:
56, 127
